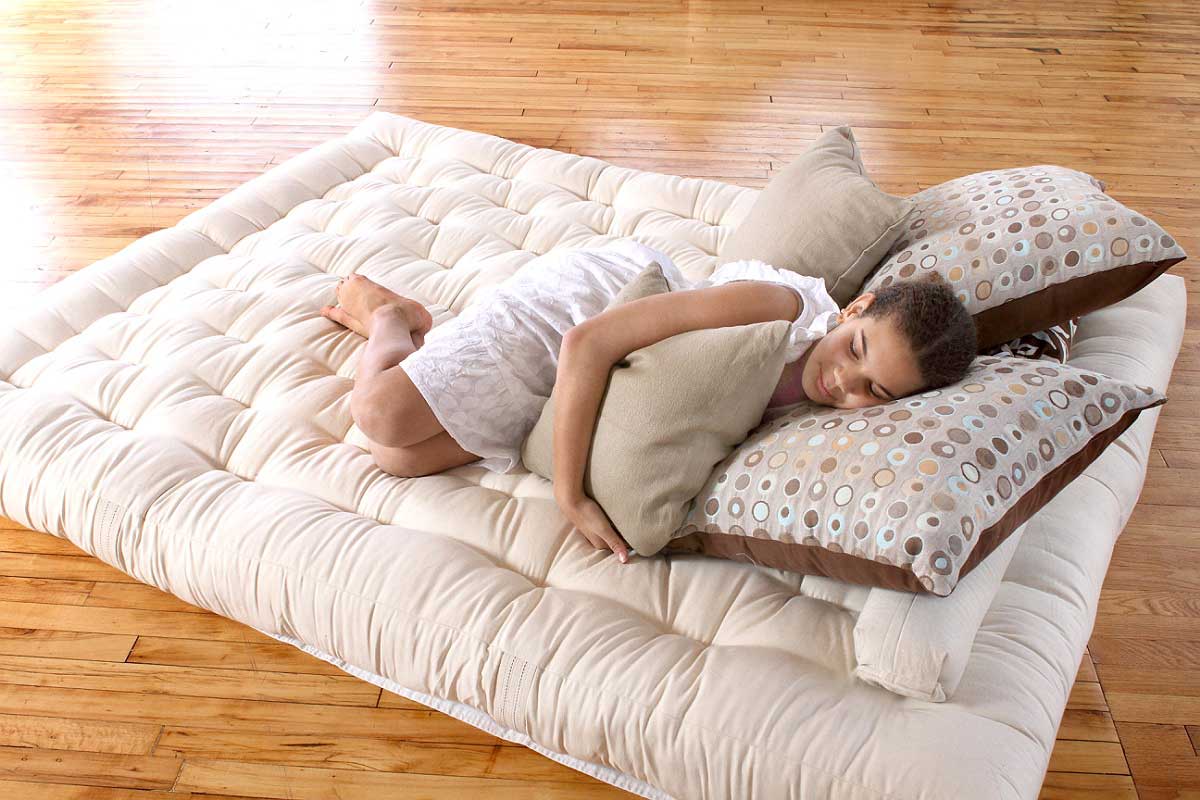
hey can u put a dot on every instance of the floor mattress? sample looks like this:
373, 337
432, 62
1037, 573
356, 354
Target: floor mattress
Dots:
181, 411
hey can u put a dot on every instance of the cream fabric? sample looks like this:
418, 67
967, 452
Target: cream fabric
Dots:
181, 410
822, 215
669, 413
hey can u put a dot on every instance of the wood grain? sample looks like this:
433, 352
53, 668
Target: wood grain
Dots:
122, 117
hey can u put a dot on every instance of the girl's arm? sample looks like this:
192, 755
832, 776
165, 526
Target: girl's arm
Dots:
589, 351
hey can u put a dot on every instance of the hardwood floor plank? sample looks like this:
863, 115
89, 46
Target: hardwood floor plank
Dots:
1138, 707
377, 754
416, 723
45, 590
1077, 786
88, 619
340, 690
1084, 725
58, 733
1148, 625
1092, 757
28, 790
219, 654
305, 783
89, 769
59, 567
23, 540
65, 644
136, 596
1087, 697
1168, 654
1161, 756
1087, 670
1158, 603
1151, 680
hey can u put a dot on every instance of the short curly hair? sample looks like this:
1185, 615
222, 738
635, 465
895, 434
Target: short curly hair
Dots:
935, 323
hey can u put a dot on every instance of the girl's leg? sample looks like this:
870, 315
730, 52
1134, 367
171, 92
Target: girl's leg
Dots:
436, 454
384, 402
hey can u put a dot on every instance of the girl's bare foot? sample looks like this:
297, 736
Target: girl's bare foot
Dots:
358, 296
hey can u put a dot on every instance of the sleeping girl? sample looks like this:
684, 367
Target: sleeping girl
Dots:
471, 389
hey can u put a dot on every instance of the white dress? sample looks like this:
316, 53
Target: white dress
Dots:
487, 373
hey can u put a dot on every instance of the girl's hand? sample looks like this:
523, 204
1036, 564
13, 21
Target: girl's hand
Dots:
586, 515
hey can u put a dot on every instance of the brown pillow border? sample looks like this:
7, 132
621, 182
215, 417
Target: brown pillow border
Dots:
1062, 301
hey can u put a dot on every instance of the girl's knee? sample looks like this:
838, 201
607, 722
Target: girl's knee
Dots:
379, 422
389, 408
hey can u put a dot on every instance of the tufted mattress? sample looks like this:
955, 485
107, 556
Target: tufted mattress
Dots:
181, 411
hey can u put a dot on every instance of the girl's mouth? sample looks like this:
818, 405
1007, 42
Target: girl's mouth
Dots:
821, 385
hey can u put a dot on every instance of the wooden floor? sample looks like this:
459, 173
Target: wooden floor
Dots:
119, 118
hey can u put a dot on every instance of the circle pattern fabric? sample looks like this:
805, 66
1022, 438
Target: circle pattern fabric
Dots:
1001, 235
918, 482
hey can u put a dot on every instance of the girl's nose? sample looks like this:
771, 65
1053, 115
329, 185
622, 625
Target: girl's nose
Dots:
838, 387
847, 381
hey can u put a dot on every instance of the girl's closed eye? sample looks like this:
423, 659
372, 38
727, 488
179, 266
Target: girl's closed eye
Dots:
855, 353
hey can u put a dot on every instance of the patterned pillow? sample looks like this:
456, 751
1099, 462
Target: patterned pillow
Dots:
1028, 247
1052, 344
911, 494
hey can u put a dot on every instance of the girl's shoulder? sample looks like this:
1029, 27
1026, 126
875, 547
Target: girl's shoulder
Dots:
812, 289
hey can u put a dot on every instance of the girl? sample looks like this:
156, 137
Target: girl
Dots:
473, 389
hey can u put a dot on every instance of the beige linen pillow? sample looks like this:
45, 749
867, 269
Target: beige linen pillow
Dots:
1029, 247
911, 494
822, 215
670, 413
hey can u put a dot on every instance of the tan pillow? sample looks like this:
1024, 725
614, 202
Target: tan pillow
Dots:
1028, 247
911, 494
670, 413
822, 216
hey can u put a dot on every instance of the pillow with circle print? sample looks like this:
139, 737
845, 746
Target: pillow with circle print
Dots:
914, 493
1028, 247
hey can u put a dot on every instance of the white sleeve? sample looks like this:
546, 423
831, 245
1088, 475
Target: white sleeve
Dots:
818, 312
642, 254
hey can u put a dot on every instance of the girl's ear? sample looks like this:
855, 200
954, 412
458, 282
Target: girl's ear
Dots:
858, 305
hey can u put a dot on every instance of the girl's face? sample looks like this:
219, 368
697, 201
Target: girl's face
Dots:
864, 361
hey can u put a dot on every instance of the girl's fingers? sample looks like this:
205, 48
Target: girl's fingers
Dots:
608, 539
339, 315
597, 529
615, 544
592, 540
